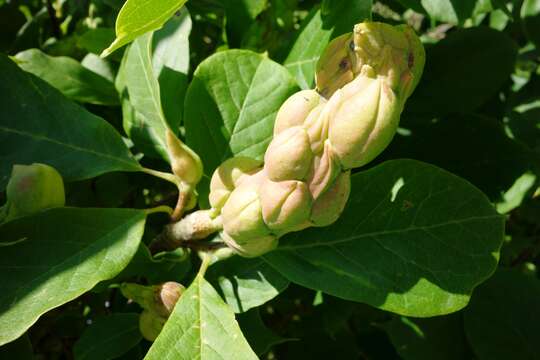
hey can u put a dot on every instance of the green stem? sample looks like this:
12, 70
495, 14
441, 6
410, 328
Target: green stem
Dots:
162, 175
204, 265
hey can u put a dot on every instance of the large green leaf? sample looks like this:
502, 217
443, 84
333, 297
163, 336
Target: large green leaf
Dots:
55, 256
503, 319
69, 76
147, 126
482, 61
108, 337
336, 18
152, 84
414, 239
170, 59
38, 124
201, 327
231, 105
141, 16
246, 283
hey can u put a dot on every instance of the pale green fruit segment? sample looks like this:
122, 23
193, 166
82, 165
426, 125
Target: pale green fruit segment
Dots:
150, 325
364, 124
289, 155
242, 213
327, 208
253, 247
295, 110
325, 169
228, 176
32, 188
285, 204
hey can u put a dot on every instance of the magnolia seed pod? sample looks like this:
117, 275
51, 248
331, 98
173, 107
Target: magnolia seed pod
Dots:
289, 155
32, 188
185, 163
364, 124
285, 204
150, 324
324, 171
252, 247
329, 206
295, 110
242, 213
228, 176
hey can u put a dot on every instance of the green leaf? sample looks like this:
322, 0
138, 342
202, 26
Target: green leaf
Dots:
141, 16
38, 124
100, 66
414, 239
503, 319
318, 29
147, 126
231, 105
201, 327
170, 59
530, 13
439, 338
69, 76
246, 283
481, 63
96, 40
55, 256
152, 101
108, 337
258, 335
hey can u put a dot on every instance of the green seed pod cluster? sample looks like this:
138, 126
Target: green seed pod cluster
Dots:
32, 188
158, 303
363, 80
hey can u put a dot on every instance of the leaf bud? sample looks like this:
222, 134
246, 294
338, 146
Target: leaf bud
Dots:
157, 299
185, 163
32, 188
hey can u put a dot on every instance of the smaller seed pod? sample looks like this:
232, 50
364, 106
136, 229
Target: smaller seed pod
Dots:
289, 155
228, 176
251, 247
32, 188
285, 204
242, 213
151, 324
329, 206
295, 110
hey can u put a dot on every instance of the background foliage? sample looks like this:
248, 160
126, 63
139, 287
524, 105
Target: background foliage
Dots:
435, 256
